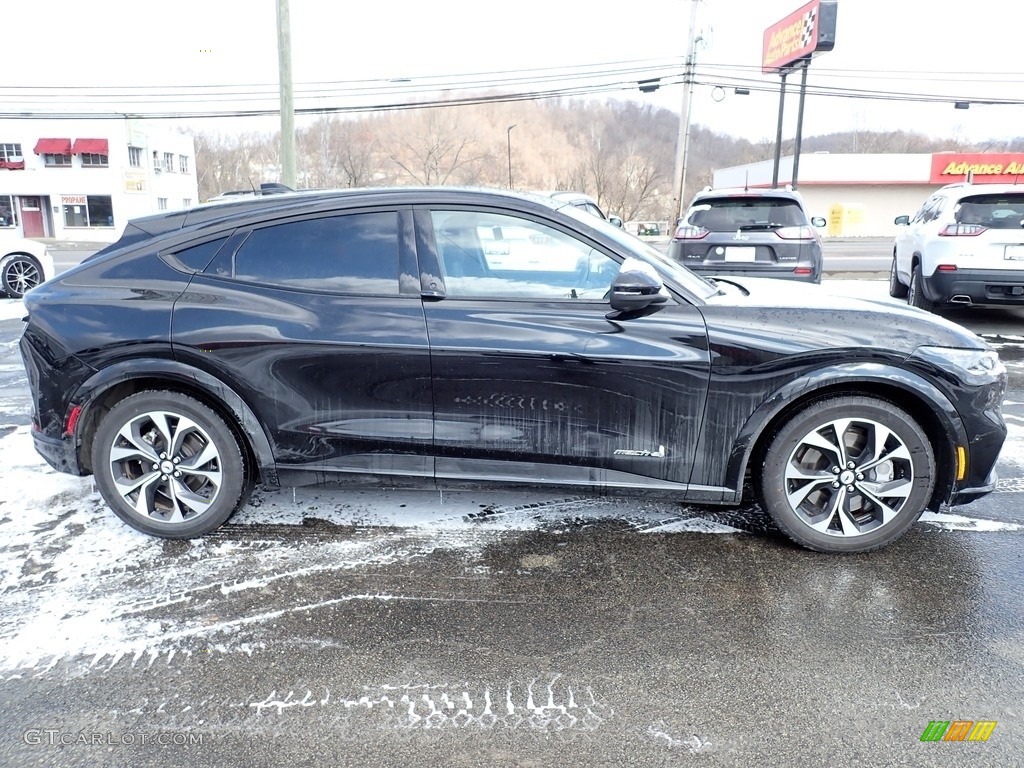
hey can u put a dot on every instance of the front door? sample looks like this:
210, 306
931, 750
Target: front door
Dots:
32, 217
534, 383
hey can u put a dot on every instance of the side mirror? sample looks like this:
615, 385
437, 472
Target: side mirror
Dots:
901, 220
636, 286
818, 221
615, 221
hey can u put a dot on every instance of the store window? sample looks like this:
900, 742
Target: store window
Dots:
8, 212
169, 162
135, 157
161, 203
186, 202
183, 163
88, 211
56, 161
94, 161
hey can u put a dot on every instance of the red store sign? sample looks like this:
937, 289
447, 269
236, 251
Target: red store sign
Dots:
986, 167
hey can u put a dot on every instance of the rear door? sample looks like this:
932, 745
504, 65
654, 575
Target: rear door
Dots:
533, 381
317, 321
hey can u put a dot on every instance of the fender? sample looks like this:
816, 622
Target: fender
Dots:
853, 373
194, 378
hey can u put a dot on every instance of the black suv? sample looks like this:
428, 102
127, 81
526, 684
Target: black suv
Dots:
756, 232
443, 336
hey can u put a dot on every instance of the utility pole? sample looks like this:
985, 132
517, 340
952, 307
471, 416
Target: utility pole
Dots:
509, 136
284, 63
683, 140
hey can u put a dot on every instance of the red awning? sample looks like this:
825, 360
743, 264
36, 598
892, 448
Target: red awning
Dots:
53, 147
90, 147
13, 165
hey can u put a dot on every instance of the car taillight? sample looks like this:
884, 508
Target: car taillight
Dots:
802, 271
76, 411
796, 233
962, 230
690, 232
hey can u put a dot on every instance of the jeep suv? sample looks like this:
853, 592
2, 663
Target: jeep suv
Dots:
751, 232
965, 246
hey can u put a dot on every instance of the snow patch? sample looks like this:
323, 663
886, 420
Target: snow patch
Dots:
951, 522
12, 309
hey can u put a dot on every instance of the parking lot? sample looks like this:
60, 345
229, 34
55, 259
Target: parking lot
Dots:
333, 627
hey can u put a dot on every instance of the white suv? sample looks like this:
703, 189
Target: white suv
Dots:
964, 246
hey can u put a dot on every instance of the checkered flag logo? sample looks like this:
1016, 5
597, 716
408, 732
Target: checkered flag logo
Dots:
808, 34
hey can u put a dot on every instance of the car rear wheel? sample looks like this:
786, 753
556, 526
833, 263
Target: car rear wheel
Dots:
896, 289
19, 274
168, 465
848, 474
915, 294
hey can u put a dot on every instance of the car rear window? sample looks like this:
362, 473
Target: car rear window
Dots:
746, 213
1004, 211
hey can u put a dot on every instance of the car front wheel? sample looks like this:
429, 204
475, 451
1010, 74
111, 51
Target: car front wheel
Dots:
848, 474
168, 465
19, 274
896, 289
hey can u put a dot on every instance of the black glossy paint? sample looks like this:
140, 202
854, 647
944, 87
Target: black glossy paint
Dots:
672, 398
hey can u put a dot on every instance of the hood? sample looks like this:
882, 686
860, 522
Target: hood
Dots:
803, 317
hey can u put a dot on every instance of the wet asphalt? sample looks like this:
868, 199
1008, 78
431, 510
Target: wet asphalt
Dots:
579, 642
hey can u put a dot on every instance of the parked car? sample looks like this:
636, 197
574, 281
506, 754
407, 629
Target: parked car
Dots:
368, 336
755, 232
585, 203
964, 246
24, 264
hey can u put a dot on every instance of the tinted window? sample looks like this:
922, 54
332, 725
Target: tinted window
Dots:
357, 253
1004, 211
499, 256
198, 256
746, 213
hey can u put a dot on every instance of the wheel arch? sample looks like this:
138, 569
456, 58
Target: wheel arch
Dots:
913, 394
111, 385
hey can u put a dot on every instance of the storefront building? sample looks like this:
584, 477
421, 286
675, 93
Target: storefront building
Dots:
84, 179
860, 195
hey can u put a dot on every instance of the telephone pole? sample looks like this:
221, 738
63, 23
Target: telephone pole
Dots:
683, 140
284, 63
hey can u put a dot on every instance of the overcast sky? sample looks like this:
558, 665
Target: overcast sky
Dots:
130, 51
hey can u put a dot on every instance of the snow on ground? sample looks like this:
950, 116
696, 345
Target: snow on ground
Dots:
75, 580
11, 309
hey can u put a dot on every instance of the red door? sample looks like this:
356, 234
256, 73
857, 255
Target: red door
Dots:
32, 217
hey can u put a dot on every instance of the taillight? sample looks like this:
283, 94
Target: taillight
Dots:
796, 233
946, 268
76, 411
690, 232
962, 230
802, 271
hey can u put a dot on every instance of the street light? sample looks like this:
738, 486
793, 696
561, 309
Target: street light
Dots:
508, 134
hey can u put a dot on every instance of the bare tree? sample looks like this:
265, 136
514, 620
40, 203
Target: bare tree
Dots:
430, 147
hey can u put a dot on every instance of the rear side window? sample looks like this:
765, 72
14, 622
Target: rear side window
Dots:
992, 211
356, 253
746, 213
197, 257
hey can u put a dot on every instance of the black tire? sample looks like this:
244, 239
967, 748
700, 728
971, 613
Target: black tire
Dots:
896, 289
148, 437
915, 293
892, 476
19, 273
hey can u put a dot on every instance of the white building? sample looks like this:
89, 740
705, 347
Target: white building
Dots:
862, 194
84, 179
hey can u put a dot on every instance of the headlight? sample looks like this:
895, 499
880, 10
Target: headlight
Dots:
974, 366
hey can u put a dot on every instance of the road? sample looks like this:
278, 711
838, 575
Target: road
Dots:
331, 628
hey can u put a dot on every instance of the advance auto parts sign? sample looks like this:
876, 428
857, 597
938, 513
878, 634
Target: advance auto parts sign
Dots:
987, 167
805, 32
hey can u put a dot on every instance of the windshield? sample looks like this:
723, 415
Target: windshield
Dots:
669, 270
